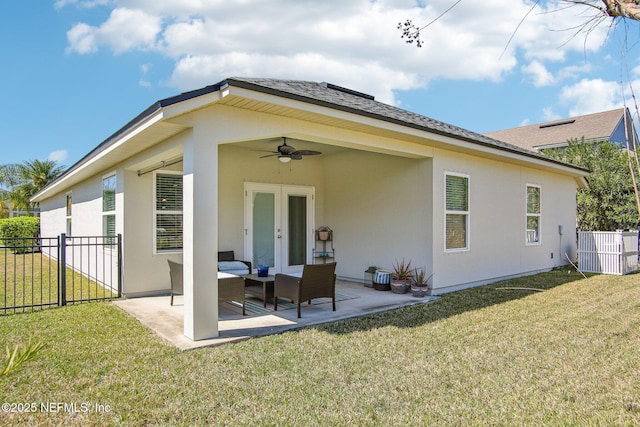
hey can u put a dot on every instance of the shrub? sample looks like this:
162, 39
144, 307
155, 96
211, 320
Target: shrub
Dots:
20, 233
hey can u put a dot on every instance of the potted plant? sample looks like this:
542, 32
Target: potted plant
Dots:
420, 283
324, 233
401, 277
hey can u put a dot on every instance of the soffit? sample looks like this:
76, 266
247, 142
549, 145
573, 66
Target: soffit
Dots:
355, 122
324, 116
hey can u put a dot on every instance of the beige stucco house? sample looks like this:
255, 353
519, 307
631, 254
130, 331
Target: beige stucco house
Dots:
189, 177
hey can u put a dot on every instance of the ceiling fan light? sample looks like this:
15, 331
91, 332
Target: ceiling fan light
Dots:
284, 159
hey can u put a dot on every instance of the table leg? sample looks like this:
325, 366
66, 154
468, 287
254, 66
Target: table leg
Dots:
264, 293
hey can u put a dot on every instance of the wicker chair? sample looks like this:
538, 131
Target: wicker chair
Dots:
175, 272
317, 281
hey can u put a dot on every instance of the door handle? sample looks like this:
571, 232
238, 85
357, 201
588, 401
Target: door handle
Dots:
279, 237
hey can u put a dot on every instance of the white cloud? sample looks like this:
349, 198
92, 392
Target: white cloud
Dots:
81, 4
549, 115
126, 29
58, 156
538, 73
82, 39
352, 43
591, 96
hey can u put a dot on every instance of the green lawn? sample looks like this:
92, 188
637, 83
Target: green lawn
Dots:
495, 355
31, 279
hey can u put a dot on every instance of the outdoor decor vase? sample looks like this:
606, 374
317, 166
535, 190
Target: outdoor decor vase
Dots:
381, 280
263, 270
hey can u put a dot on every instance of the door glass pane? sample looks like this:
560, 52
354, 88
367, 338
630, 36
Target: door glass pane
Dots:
297, 230
263, 229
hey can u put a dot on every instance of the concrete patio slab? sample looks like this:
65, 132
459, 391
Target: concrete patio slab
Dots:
167, 321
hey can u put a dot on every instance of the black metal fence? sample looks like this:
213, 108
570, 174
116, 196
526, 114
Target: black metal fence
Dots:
44, 272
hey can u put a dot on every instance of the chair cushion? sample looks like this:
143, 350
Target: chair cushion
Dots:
233, 267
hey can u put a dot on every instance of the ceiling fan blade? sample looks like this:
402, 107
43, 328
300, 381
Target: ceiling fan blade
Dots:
270, 155
295, 156
286, 149
306, 152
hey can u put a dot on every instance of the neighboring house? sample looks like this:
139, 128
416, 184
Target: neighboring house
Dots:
615, 126
189, 177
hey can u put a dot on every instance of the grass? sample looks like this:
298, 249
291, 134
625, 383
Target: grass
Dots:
494, 355
32, 279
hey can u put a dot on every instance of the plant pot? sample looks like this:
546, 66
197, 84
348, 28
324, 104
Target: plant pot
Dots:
323, 235
419, 292
381, 286
400, 286
381, 280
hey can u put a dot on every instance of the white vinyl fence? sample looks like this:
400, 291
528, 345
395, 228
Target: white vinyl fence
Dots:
608, 252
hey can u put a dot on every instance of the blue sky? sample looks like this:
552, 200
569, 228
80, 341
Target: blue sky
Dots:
75, 71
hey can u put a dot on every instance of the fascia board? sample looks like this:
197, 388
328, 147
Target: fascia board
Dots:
87, 166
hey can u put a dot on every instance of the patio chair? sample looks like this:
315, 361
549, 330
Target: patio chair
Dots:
317, 281
175, 272
228, 263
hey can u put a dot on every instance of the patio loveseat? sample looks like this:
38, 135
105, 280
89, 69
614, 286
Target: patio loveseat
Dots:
230, 286
227, 263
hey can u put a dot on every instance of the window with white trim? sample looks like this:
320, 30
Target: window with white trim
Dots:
456, 212
69, 205
109, 205
167, 211
533, 214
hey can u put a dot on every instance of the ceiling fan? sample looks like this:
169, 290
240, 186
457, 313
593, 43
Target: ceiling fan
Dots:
286, 153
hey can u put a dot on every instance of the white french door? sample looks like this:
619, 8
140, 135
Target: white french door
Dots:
279, 224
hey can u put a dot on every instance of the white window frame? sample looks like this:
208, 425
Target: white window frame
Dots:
112, 212
68, 212
536, 215
467, 213
156, 212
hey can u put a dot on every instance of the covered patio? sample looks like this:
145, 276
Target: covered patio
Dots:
353, 300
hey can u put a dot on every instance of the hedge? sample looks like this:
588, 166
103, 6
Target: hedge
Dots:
18, 233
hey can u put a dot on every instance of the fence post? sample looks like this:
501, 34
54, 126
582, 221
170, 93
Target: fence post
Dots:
120, 269
62, 269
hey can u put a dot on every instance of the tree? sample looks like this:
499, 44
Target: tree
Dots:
605, 9
23, 180
610, 202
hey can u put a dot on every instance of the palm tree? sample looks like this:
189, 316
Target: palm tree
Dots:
4, 205
23, 180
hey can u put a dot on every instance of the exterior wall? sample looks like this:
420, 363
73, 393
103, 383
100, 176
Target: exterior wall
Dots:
145, 272
498, 248
86, 217
379, 208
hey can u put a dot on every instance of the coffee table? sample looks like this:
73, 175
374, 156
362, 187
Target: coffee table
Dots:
260, 287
